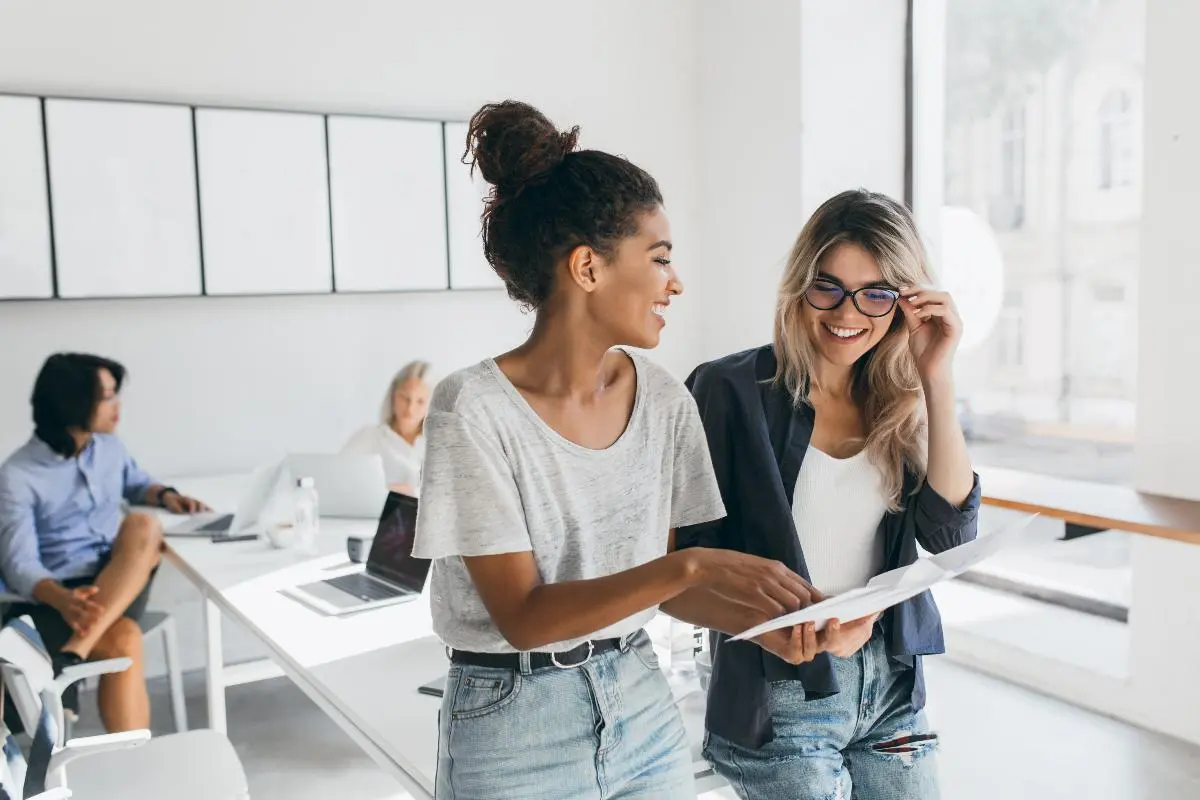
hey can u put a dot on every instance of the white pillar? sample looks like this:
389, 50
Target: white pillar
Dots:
1166, 574
799, 100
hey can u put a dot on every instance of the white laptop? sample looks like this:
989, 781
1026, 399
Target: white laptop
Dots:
247, 519
391, 574
351, 485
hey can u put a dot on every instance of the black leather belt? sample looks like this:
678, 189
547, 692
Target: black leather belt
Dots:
566, 659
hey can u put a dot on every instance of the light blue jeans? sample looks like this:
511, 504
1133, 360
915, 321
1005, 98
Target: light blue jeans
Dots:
605, 730
853, 745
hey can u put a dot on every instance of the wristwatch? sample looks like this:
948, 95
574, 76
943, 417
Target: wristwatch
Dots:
162, 495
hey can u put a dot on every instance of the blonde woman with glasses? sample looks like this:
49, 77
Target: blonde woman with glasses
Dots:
399, 436
838, 452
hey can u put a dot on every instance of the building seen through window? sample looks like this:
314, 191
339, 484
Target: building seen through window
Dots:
1042, 143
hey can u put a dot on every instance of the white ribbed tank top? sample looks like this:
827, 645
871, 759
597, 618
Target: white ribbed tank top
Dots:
837, 508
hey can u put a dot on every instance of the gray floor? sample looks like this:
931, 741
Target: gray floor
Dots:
999, 742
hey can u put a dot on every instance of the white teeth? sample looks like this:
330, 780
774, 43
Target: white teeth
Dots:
844, 333
659, 309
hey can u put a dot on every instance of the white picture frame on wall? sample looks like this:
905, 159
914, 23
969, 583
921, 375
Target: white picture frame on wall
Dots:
264, 202
26, 263
465, 193
123, 189
388, 200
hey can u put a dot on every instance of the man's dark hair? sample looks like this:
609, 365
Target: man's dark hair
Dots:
65, 396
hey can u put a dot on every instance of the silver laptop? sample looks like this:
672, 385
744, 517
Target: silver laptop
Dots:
349, 485
246, 519
391, 575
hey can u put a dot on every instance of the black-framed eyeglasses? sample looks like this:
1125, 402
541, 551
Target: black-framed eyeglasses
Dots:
873, 301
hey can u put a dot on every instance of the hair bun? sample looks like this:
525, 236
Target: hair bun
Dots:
513, 144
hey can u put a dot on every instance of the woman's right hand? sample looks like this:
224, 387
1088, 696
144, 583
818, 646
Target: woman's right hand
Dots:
761, 583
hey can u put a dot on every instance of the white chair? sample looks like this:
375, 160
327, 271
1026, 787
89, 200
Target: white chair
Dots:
26, 780
12, 777
196, 765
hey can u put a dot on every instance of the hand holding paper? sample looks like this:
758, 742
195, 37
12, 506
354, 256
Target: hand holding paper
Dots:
886, 590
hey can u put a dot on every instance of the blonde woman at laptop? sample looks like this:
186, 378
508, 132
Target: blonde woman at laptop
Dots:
399, 436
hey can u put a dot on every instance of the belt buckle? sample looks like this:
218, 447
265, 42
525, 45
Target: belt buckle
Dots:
586, 659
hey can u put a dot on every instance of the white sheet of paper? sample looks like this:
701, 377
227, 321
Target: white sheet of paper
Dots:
895, 586
958, 560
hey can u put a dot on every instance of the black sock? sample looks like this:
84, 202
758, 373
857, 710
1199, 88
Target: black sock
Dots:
64, 659
70, 695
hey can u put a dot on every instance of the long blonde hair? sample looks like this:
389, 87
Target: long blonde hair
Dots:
419, 370
884, 382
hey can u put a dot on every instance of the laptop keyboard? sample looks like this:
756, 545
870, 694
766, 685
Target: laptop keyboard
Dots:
364, 587
217, 525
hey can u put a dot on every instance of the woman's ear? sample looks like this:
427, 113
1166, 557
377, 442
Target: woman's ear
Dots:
582, 267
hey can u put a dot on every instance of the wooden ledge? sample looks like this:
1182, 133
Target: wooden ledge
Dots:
1092, 504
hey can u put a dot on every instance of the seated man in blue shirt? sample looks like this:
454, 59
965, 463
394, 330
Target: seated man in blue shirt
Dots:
66, 545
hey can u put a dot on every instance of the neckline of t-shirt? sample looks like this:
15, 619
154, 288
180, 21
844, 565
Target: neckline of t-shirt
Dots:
514, 394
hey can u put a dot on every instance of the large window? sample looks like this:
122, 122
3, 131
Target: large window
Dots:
1008, 211
1026, 146
1116, 140
1027, 177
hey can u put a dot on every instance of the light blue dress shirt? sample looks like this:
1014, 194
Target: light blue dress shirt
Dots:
59, 516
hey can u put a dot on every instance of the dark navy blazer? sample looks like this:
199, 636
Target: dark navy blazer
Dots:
758, 438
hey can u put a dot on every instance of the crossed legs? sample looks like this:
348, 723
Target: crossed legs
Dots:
124, 702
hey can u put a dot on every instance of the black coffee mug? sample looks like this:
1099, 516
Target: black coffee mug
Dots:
357, 548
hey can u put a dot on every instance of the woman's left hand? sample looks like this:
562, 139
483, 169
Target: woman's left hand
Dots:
934, 330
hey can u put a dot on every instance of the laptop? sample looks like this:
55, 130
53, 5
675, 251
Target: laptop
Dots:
391, 574
351, 485
247, 518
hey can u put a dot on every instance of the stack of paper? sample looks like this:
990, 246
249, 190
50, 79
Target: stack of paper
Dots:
898, 585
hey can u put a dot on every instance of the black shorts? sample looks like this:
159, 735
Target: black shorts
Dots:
55, 631
51, 626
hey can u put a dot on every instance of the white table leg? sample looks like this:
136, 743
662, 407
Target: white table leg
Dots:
215, 672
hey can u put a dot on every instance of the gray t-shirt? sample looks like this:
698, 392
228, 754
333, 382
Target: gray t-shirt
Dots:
498, 479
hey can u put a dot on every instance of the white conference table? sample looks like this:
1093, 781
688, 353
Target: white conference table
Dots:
362, 670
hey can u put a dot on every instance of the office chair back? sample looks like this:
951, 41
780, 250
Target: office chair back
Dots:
27, 671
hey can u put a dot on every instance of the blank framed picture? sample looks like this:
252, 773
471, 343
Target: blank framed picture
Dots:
264, 202
25, 260
388, 195
464, 194
123, 186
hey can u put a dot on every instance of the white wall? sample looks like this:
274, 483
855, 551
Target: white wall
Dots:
852, 90
216, 385
219, 384
798, 101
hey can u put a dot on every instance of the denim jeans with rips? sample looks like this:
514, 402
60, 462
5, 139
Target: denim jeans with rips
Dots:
863, 743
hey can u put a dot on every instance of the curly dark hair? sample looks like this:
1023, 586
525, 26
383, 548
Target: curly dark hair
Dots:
548, 198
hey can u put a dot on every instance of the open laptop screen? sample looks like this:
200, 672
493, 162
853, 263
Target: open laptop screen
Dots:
391, 555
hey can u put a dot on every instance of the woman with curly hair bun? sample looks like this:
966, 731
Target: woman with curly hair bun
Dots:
554, 476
